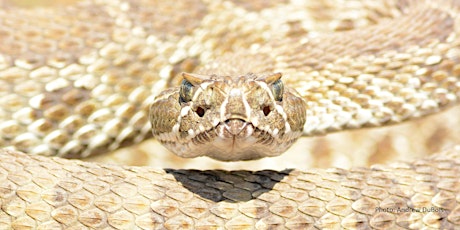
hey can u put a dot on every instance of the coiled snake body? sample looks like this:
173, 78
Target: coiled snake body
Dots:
79, 80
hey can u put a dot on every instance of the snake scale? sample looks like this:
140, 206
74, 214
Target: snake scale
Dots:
78, 80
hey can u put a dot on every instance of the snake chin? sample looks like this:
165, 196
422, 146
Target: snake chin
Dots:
238, 140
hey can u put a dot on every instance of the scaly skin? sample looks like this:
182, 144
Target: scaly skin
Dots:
40, 192
66, 91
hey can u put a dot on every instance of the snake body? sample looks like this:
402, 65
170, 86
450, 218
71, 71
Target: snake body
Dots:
81, 82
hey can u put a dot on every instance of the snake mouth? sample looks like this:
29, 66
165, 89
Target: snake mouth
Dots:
231, 140
237, 139
233, 127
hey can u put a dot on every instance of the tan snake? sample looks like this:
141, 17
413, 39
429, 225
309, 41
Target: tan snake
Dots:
65, 90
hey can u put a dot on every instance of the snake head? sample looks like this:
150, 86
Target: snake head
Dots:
228, 118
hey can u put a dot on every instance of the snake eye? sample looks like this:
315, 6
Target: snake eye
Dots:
185, 92
278, 90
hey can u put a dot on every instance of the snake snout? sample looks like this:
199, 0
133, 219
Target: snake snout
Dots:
235, 125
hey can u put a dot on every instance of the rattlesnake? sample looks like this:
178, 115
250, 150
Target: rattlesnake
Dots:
81, 82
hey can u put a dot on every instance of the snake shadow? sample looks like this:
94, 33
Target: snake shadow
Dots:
229, 186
